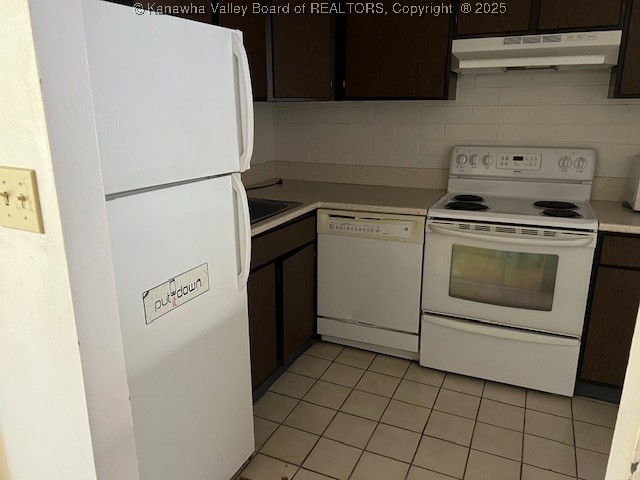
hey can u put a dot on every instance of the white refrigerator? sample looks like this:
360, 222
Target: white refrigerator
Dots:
174, 114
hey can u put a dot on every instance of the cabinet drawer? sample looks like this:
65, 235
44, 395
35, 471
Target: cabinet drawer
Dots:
272, 245
620, 251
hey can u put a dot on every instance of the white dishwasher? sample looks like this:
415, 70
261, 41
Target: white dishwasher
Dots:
369, 280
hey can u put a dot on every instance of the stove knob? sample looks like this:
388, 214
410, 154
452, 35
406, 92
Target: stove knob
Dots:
565, 162
580, 163
461, 159
475, 159
487, 160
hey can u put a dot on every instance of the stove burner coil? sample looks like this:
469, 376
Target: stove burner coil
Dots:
468, 198
562, 213
555, 205
466, 206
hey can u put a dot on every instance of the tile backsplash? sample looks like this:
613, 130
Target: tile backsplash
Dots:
567, 108
263, 141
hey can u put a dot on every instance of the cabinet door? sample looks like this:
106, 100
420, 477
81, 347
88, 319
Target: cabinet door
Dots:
261, 291
516, 19
298, 300
302, 45
396, 55
611, 325
562, 14
253, 27
630, 83
620, 251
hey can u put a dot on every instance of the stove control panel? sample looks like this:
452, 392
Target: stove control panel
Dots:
535, 163
512, 161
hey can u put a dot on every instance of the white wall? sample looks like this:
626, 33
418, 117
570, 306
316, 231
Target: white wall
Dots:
64, 406
44, 423
515, 108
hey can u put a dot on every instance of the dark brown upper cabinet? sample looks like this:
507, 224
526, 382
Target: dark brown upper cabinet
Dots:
534, 16
516, 19
302, 53
629, 70
579, 14
396, 55
254, 32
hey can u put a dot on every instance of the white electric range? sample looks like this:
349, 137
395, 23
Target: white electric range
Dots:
508, 257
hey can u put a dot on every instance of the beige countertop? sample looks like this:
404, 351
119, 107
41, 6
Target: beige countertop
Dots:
614, 217
364, 198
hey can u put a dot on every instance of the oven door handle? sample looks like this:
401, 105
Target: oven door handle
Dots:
559, 242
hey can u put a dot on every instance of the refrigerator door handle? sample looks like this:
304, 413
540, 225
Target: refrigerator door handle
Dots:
243, 228
246, 101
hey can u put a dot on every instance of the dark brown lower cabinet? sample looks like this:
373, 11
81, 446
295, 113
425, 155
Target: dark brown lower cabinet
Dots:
262, 324
298, 300
282, 297
613, 312
611, 325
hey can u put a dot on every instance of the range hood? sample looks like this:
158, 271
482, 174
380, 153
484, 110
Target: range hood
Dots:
576, 50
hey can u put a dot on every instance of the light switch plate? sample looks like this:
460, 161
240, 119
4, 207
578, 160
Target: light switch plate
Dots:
19, 203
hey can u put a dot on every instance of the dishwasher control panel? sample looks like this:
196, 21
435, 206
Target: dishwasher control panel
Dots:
378, 226
369, 228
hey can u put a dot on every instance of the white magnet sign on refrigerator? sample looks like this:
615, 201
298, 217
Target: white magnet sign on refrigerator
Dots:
175, 292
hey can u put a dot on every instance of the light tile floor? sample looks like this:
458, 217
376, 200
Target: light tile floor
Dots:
342, 413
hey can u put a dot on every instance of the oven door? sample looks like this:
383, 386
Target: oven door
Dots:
532, 278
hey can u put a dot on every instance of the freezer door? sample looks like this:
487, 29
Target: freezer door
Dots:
172, 97
185, 328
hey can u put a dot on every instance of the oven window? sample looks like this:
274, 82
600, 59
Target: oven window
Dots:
510, 279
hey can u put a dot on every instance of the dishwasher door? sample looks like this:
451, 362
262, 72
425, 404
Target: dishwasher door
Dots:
369, 270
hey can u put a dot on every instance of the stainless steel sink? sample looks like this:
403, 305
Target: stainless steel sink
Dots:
262, 208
